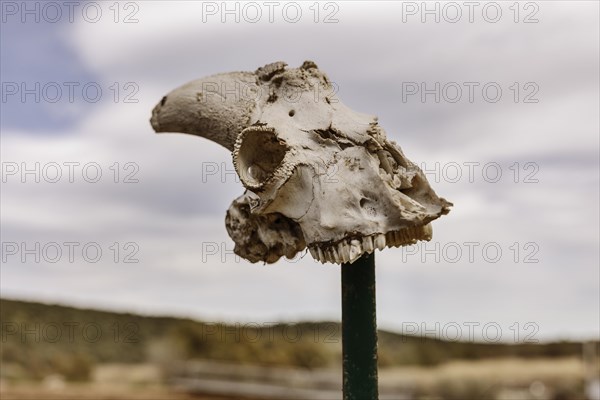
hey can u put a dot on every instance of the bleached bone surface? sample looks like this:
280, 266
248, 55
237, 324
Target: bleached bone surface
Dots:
261, 237
317, 173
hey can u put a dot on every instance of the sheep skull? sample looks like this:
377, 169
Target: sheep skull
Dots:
317, 174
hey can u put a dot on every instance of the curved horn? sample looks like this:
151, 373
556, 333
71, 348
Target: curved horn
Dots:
218, 107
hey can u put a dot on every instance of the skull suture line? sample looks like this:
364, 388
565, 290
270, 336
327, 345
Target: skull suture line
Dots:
317, 174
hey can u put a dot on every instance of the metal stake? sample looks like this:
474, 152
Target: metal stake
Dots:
359, 329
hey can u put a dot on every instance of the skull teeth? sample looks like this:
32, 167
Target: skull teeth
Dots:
320, 254
334, 254
368, 244
356, 249
344, 251
349, 250
379, 241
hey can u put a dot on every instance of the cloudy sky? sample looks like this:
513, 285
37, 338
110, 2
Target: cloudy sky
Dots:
513, 142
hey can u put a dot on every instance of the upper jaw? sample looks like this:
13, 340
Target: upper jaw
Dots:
349, 249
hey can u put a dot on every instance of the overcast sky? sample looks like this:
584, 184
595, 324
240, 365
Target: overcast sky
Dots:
166, 209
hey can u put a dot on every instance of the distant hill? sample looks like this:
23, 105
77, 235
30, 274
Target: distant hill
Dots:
38, 339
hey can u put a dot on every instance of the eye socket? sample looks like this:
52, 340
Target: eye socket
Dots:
258, 156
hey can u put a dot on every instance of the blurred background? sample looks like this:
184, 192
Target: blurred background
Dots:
118, 279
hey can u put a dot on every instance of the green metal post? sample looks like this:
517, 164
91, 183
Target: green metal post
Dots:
359, 329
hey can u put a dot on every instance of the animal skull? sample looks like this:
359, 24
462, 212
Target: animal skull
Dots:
317, 174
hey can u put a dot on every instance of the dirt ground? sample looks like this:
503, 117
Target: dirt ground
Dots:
93, 392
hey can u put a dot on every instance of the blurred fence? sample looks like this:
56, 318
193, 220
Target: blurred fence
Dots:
497, 379
253, 382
